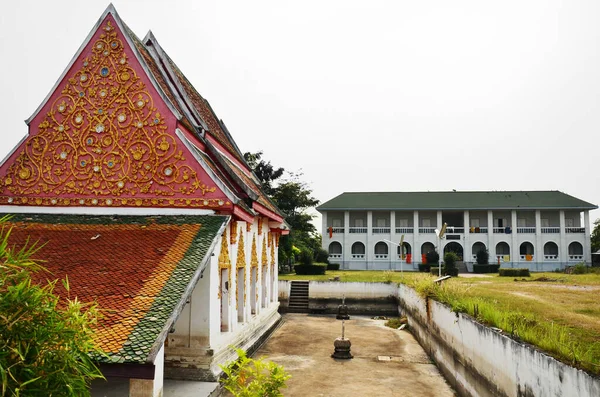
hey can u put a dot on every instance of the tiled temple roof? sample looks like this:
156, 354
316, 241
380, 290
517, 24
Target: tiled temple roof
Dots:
139, 269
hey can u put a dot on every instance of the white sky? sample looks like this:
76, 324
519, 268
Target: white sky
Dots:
361, 96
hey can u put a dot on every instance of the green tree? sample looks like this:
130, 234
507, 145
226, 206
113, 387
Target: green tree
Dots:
264, 171
44, 343
596, 236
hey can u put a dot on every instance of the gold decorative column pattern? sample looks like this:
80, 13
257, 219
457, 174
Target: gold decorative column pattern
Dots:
260, 225
233, 232
224, 262
240, 263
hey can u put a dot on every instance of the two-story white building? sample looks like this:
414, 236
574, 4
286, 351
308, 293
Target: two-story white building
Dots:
539, 230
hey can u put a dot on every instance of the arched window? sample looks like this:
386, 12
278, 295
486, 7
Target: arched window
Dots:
575, 251
358, 250
478, 246
550, 250
503, 251
407, 249
427, 247
335, 250
381, 250
526, 251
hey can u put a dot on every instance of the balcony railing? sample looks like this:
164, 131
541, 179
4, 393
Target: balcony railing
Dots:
381, 230
528, 229
575, 229
478, 229
336, 229
455, 229
381, 256
502, 258
358, 256
404, 230
427, 230
500, 230
357, 230
575, 258
335, 256
526, 258
551, 229
550, 257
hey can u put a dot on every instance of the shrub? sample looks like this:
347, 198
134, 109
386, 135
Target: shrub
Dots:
249, 377
333, 266
580, 268
424, 267
478, 268
396, 322
305, 257
45, 342
494, 268
321, 256
315, 269
388, 276
450, 259
433, 258
483, 257
504, 272
445, 271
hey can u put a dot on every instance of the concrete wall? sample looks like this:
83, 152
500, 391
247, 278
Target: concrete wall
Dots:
361, 298
478, 361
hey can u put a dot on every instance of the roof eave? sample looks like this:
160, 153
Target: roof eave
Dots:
162, 336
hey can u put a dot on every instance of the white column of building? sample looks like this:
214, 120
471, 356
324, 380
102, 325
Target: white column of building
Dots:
490, 234
563, 250
416, 251
369, 254
514, 245
346, 250
326, 240
587, 250
467, 249
439, 227
539, 248
393, 249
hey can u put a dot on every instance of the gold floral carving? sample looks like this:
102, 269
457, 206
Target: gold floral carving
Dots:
277, 235
254, 256
260, 225
224, 262
272, 253
269, 239
264, 260
248, 227
104, 137
241, 255
233, 231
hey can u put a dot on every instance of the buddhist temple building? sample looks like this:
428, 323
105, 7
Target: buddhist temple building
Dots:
140, 195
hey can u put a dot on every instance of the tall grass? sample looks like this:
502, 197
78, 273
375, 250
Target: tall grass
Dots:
555, 339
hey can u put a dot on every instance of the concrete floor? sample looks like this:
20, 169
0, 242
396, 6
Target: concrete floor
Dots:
386, 362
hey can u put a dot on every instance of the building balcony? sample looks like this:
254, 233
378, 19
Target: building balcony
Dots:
357, 230
550, 257
575, 258
427, 230
455, 229
405, 230
358, 256
527, 258
381, 256
575, 230
501, 230
335, 256
526, 230
381, 230
551, 230
478, 229
336, 229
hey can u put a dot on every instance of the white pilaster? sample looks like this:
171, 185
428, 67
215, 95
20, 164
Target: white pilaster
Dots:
587, 253
490, 235
467, 249
346, 249
369, 251
439, 221
393, 249
563, 249
514, 245
539, 248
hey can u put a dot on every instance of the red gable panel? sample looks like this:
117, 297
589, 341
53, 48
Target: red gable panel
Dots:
106, 137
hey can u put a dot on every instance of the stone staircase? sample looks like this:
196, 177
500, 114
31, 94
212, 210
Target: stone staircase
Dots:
462, 267
298, 297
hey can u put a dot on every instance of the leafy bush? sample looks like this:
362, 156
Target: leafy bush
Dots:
424, 267
478, 268
333, 266
321, 256
305, 257
247, 377
483, 257
494, 268
504, 272
450, 259
433, 258
580, 268
445, 272
315, 269
44, 343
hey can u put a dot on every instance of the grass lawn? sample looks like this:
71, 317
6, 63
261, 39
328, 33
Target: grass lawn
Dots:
559, 313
